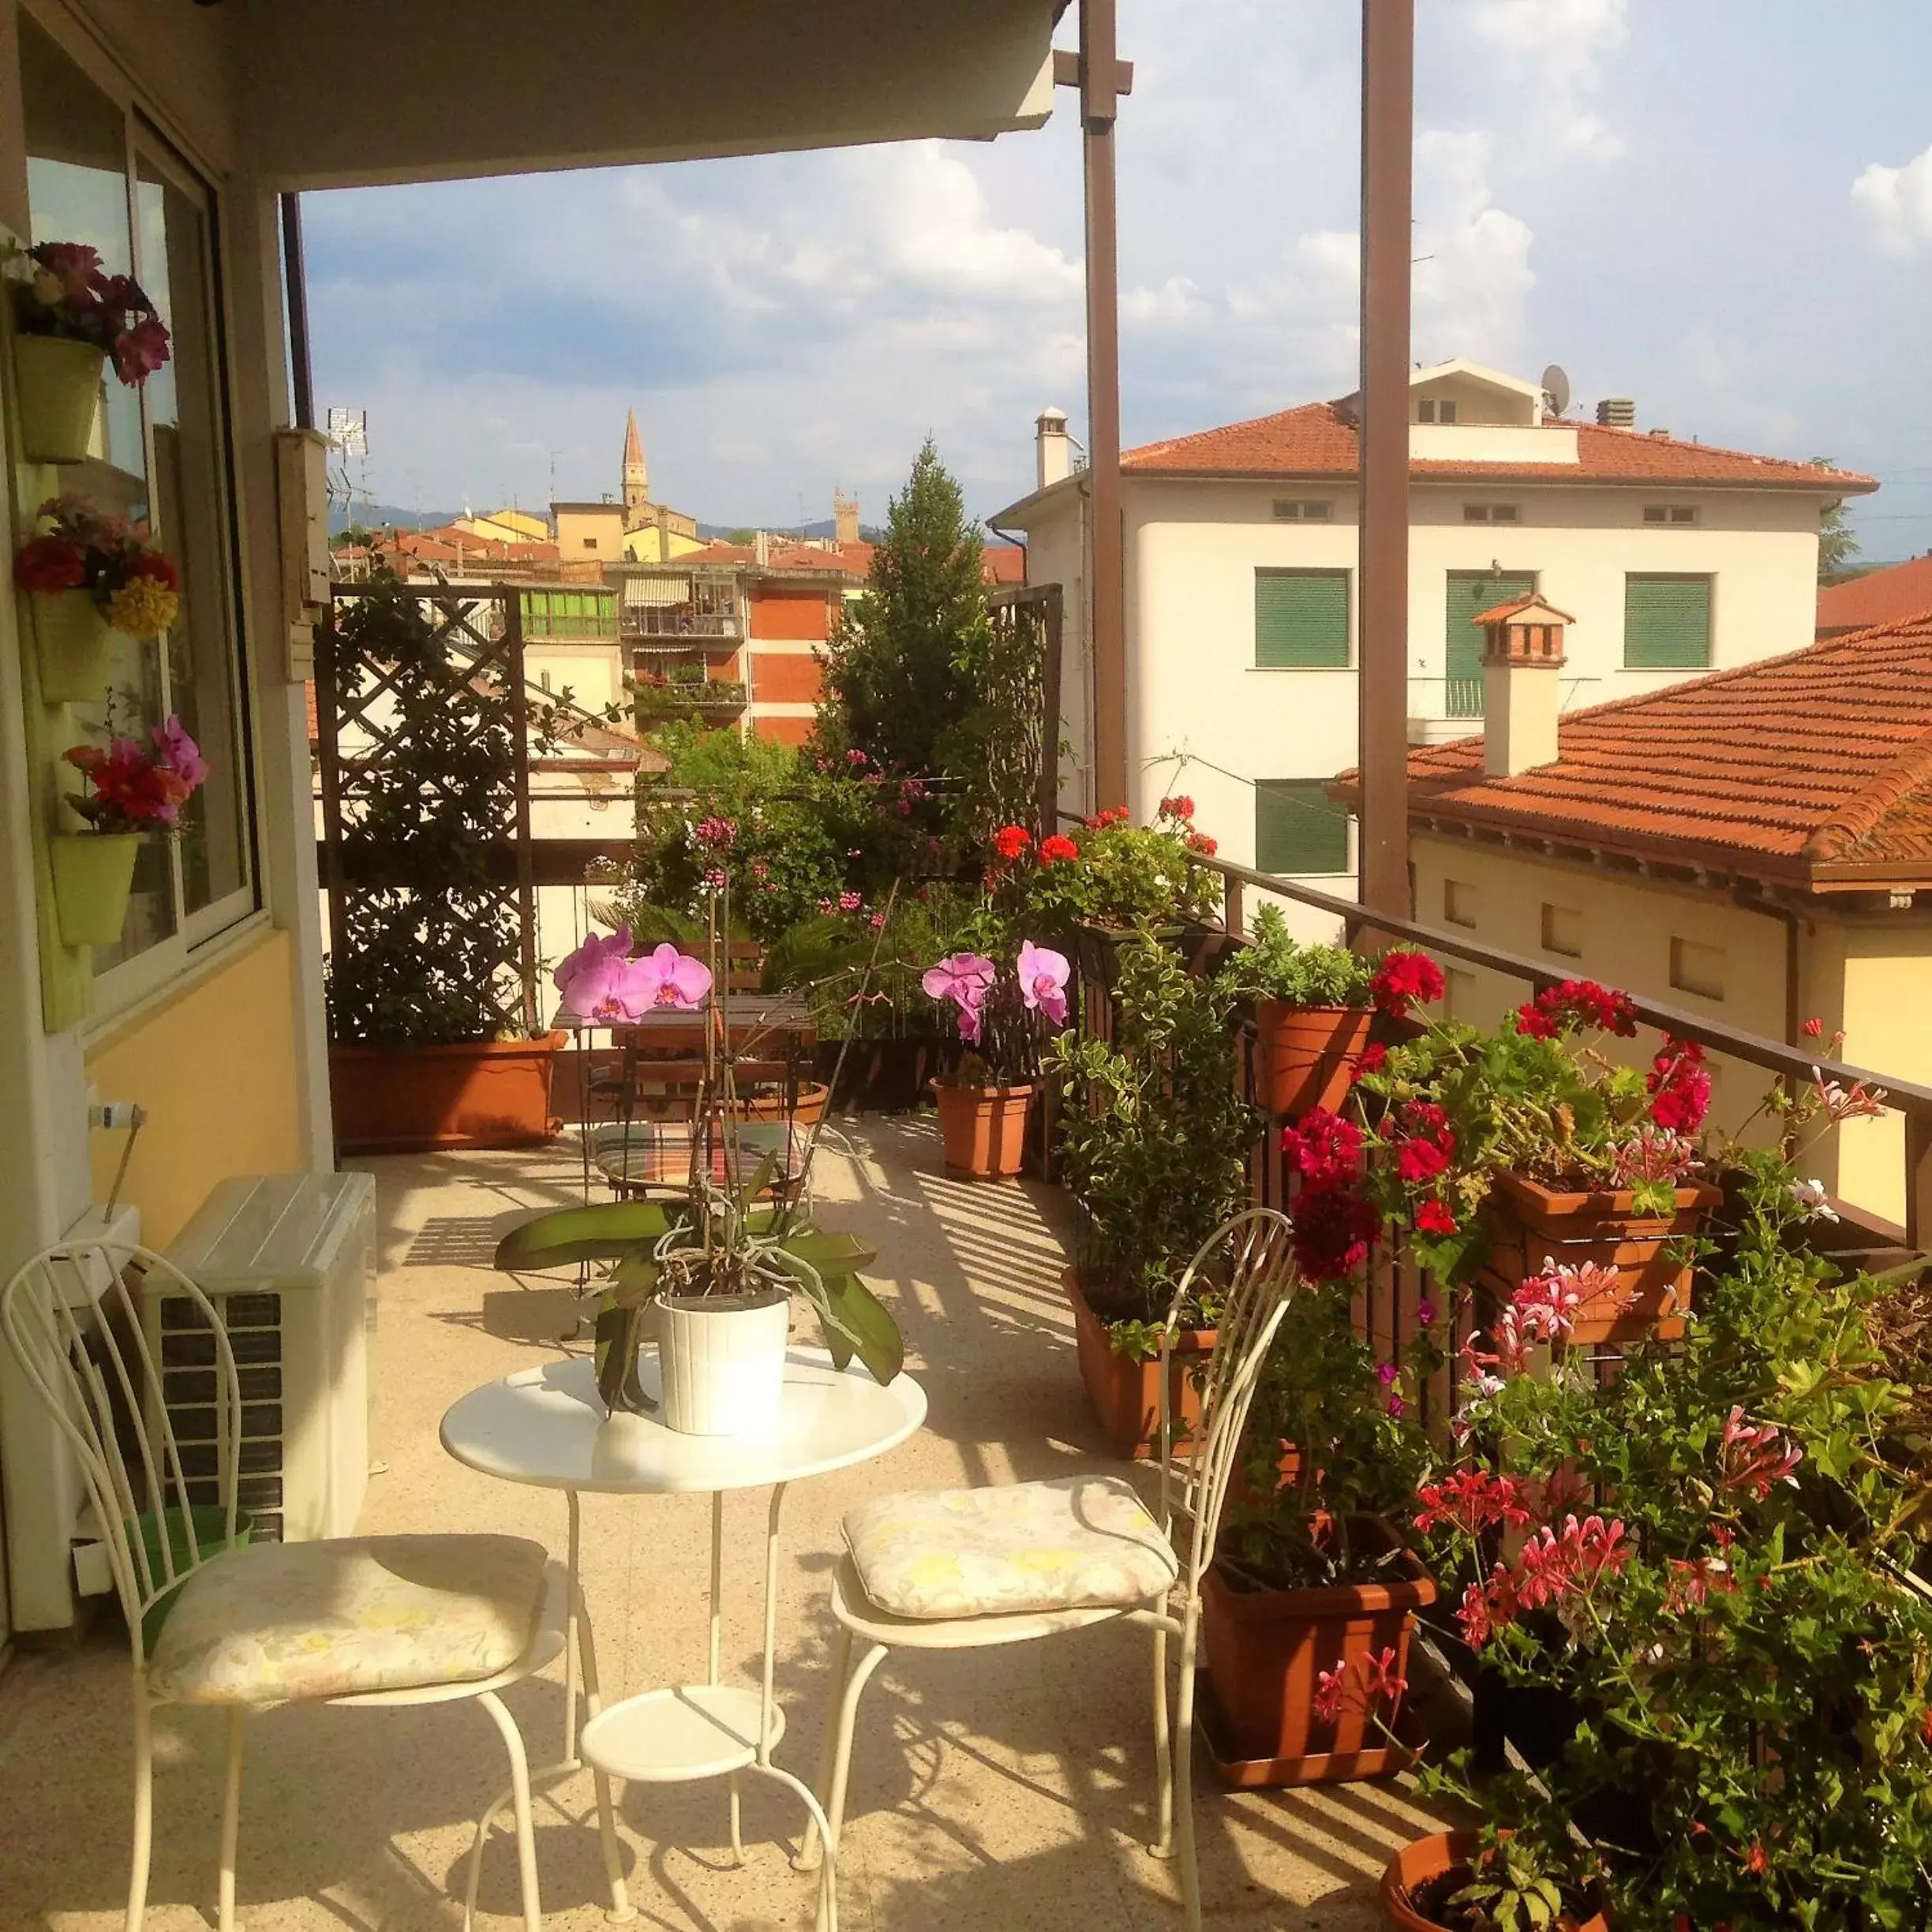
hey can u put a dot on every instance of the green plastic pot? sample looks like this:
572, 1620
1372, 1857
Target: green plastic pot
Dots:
60, 387
93, 874
74, 646
207, 1524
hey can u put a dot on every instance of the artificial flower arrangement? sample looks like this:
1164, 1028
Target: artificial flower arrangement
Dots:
1106, 871
135, 587
601, 985
70, 296
134, 787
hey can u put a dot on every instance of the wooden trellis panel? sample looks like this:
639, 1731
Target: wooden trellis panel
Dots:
1036, 609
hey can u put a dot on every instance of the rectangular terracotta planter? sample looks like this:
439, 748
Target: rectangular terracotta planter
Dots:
1126, 1394
1530, 1225
408, 1099
1266, 1648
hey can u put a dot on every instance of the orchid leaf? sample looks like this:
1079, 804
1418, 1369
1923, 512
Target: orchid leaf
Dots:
850, 1314
633, 1280
841, 1254
605, 1233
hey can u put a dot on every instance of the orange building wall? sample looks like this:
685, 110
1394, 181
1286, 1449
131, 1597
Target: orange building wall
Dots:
791, 730
786, 678
779, 610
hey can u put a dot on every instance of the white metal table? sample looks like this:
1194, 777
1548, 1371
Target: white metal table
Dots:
547, 1427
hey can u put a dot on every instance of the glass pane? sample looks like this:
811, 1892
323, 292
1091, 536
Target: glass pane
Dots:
77, 180
184, 418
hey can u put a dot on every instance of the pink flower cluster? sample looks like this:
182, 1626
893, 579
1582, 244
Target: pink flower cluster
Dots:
966, 978
1381, 1680
601, 983
1557, 1568
1543, 1309
132, 786
72, 295
1756, 1459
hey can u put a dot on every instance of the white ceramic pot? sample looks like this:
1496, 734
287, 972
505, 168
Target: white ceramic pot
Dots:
721, 1358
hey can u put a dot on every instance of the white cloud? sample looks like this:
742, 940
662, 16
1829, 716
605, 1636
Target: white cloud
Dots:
1552, 51
1896, 202
1471, 288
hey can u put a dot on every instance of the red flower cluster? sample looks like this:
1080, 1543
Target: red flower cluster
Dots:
1334, 1230
1474, 1500
1555, 1567
1427, 1144
1680, 1087
129, 786
1380, 1679
1374, 1058
1435, 1217
1757, 1458
1325, 1149
1012, 841
1178, 808
1057, 846
1200, 842
1112, 814
1577, 1003
1405, 979
50, 563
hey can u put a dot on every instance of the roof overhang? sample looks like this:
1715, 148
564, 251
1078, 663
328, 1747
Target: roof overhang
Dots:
1564, 476
349, 93
1030, 510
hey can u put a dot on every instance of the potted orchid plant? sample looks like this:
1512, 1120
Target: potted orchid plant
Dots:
70, 317
89, 577
133, 789
1002, 1018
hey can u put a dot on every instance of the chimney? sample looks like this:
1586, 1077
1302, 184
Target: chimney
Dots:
845, 518
1050, 444
761, 547
1522, 654
1617, 413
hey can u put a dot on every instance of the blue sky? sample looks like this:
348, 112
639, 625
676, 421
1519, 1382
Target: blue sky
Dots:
1724, 210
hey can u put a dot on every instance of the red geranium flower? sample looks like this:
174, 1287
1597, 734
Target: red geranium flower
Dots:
1374, 1058
1405, 979
1417, 1159
1178, 808
1200, 842
1333, 1229
1325, 1149
1433, 1217
50, 563
1012, 841
1058, 846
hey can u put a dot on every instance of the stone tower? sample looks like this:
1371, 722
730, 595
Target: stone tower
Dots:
636, 476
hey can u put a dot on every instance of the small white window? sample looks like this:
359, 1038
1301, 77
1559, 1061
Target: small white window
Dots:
1425, 410
1301, 510
1695, 968
1316, 510
1684, 513
1562, 930
1502, 513
1475, 513
1670, 513
589, 543
1491, 513
1458, 903
1445, 412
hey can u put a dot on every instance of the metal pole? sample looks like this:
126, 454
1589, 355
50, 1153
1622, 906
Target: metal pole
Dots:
295, 275
1388, 143
1106, 600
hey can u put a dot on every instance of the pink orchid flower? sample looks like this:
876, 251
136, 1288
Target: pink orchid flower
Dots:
179, 752
601, 981
1043, 975
964, 978
674, 978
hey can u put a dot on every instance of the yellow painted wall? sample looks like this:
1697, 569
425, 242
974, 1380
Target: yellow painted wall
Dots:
214, 1065
1888, 1022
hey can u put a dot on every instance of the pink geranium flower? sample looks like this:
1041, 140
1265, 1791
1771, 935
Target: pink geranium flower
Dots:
1043, 975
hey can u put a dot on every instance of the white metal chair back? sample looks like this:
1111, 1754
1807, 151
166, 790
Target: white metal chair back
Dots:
77, 1332
1260, 1279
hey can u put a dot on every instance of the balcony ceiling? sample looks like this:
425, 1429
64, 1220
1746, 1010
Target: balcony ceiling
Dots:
338, 93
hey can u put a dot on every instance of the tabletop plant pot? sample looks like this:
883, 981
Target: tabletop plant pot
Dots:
1530, 1225
93, 872
1266, 1648
1124, 1391
1417, 1873
74, 646
60, 386
984, 1129
721, 1359
1307, 1055
473, 1094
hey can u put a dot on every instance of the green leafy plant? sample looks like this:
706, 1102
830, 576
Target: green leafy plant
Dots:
1153, 1139
1105, 872
1510, 1891
1273, 966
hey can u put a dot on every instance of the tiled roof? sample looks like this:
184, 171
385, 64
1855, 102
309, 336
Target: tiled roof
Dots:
1879, 597
1003, 563
1319, 439
1800, 767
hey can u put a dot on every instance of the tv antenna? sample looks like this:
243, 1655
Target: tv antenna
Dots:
1557, 390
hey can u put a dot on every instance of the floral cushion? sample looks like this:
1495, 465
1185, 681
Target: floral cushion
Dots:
275, 1622
1073, 1542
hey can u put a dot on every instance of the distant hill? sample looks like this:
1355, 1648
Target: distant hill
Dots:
377, 515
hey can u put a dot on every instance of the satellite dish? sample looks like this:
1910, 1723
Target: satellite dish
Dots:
1556, 388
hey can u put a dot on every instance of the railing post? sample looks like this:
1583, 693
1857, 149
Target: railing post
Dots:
1917, 1179
1231, 904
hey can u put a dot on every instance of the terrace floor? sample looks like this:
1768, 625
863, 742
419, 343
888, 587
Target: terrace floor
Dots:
1002, 1791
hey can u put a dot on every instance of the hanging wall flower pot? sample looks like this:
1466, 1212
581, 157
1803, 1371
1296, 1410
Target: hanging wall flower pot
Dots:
74, 645
60, 386
1307, 1054
93, 872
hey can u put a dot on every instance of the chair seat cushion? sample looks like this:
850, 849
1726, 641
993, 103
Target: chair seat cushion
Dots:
276, 1622
1077, 1540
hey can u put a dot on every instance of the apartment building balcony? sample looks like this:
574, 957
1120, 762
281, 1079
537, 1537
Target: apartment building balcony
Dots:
674, 627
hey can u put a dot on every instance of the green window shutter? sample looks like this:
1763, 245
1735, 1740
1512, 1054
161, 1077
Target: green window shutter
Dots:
1301, 619
1471, 593
1299, 829
1666, 623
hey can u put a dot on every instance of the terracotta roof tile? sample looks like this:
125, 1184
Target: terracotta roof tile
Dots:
1794, 766
1879, 597
1319, 439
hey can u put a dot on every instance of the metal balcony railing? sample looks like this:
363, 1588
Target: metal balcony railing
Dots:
671, 624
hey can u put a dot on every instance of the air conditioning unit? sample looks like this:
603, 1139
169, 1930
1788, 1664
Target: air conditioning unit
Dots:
288, 1261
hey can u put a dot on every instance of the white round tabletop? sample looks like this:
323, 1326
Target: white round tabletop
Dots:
547, 1427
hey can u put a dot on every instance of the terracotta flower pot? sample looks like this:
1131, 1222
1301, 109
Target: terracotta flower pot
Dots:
1443, 1852
93, 872
60, 387
808, 1109
74, 646
984, 1129
406, 1099
1125, 1393
1266, 1648
1530, 1224
1307, 1054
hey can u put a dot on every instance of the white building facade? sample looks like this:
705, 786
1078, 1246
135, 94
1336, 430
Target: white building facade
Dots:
1673, 558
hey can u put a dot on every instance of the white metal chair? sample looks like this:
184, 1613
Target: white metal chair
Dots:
1249, 1259
385, 1621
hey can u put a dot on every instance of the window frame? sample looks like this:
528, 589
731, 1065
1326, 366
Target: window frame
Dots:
239, 915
